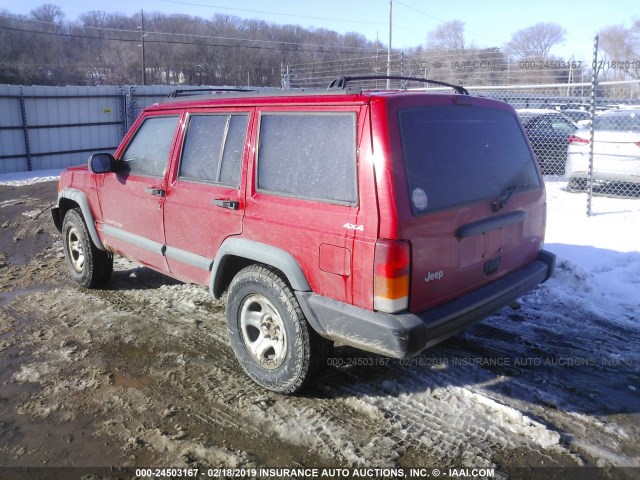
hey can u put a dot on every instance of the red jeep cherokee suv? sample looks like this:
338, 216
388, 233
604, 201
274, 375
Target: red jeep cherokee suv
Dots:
386, 220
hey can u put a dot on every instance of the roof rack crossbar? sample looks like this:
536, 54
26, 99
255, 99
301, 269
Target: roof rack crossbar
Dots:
193, 91
342, 81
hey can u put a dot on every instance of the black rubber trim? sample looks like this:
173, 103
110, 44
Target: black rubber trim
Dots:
489, 224
57, 221
405, 334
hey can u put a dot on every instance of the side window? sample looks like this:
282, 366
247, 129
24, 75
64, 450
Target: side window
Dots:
543, 125
213, 148
148, 152
308, 155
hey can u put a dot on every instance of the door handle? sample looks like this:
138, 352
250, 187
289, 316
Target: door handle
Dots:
158, 192
229, 204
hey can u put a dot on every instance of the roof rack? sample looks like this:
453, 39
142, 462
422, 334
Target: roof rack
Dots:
195, 91
342, 81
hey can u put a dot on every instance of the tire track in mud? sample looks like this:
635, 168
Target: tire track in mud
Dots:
329, 427
361, 416
238, 405
446, 421
351, 424
580, 400
568, 399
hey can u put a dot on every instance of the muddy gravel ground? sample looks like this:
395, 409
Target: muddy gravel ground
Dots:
142, 374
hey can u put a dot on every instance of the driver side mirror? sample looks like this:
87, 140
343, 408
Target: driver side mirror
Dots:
101, 163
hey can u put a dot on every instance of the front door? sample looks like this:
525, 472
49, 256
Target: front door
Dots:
132, 197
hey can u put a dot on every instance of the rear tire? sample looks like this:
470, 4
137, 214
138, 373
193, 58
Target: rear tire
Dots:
88, 265
269, 333
577, 184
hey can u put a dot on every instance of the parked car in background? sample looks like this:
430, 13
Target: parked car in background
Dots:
548, 132
616, 150
580, 117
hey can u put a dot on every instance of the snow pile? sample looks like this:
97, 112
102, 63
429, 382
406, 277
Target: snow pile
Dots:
29, 178
598, 256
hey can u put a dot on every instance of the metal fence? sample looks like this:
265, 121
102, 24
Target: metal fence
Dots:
53, 127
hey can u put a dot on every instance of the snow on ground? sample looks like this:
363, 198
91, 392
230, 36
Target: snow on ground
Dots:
598, 256
29, 178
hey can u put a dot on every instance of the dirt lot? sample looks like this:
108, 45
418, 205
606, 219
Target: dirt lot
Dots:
142, 374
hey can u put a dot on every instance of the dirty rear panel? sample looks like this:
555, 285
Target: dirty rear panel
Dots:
469, 195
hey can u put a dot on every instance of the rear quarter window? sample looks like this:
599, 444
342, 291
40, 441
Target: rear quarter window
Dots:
454, 155
308, 155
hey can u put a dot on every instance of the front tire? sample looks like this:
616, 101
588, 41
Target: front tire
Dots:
88, 265
269, 333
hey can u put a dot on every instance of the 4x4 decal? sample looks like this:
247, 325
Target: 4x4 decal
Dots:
351, 226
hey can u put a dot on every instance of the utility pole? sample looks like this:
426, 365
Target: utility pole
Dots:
144, 71
389, 49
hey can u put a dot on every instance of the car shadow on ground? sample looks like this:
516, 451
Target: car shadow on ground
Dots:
562, 348
139, 278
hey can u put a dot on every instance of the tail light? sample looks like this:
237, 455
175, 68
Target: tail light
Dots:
392, 266
573, 140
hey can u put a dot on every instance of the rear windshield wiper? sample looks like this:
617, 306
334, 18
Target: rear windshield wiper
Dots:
503, 199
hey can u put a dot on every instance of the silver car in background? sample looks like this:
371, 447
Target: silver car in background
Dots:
616, 150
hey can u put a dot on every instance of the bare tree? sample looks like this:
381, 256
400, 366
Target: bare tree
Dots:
48, 13
103, 48
448, 36
534, 43
622, 46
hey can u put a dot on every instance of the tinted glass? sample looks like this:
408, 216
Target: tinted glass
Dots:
308, 155
148, 152
618, 121
456, 155
213, 148
547, 123
233, 148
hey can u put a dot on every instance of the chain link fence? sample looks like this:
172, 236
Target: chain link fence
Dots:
553, 102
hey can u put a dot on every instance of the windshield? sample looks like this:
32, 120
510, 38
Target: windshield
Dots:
455, 155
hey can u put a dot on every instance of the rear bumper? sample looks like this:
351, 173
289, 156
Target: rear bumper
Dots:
406, 334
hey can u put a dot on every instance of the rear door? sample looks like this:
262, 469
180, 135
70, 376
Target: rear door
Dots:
304, 195
470, 198
205, 200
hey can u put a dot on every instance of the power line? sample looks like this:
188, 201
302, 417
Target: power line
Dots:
442, 21
172, 42
246, 10
191, 35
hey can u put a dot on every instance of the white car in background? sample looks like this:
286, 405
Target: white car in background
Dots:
616, 150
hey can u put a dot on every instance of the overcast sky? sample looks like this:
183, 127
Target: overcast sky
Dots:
487, 23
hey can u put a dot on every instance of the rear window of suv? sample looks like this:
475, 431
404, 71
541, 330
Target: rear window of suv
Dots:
456, 155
